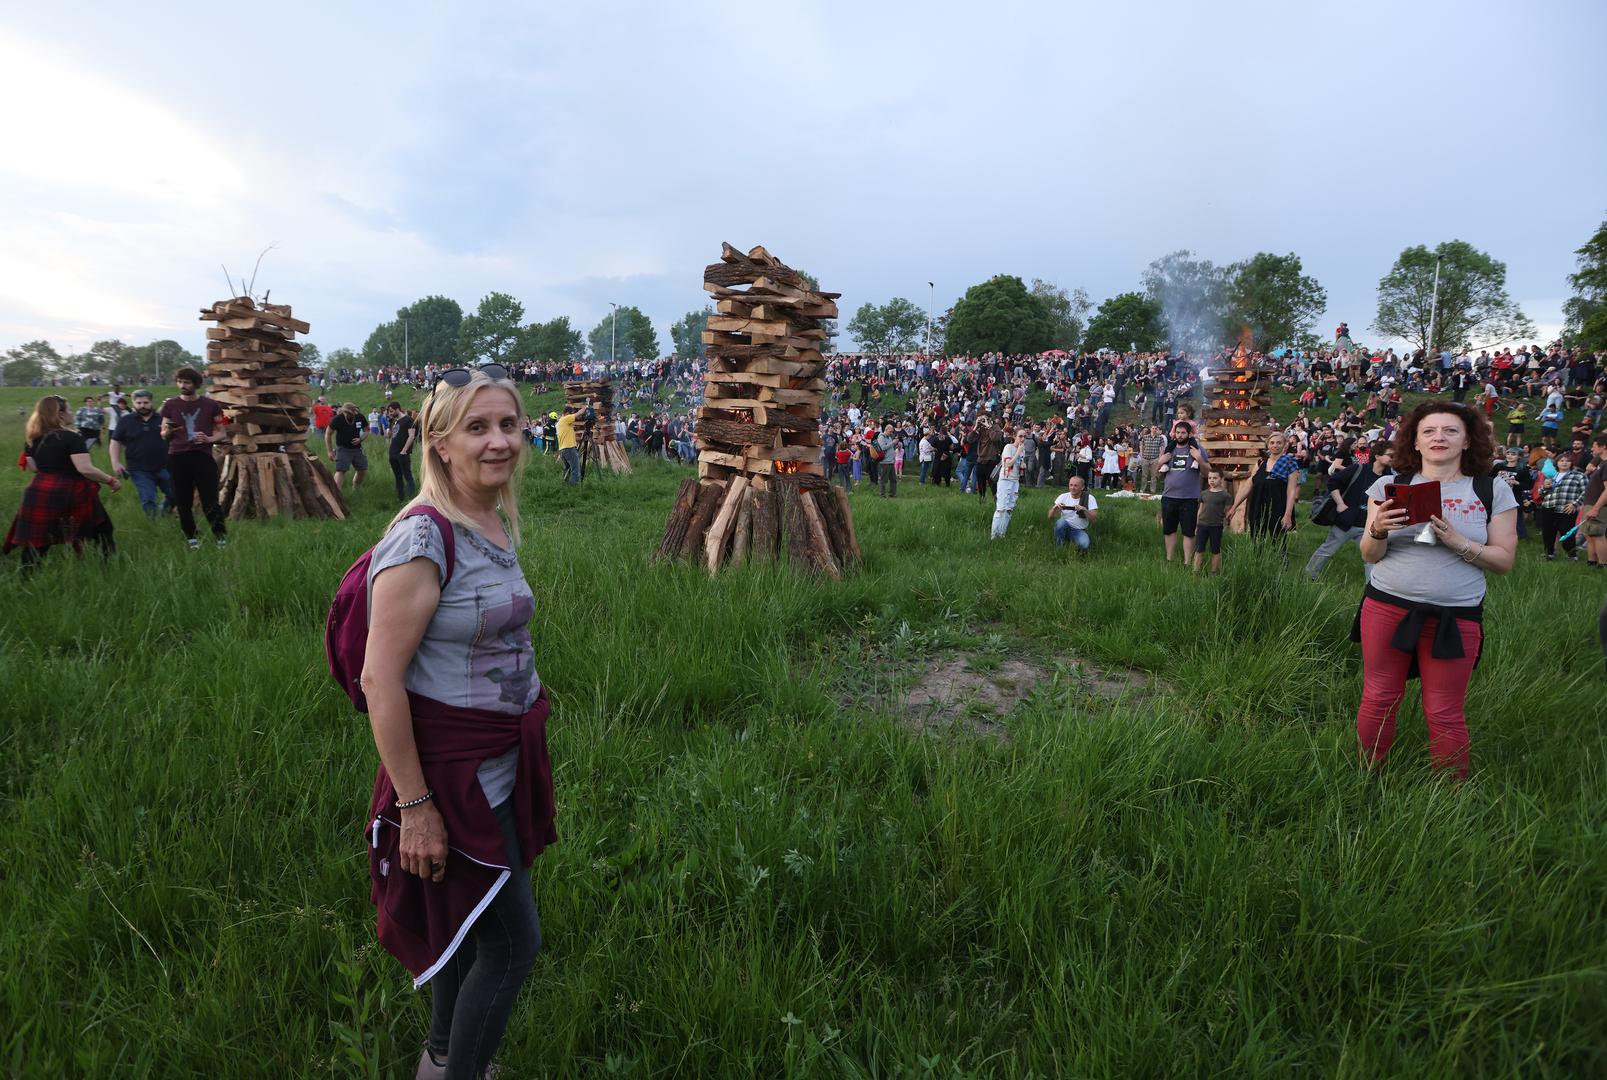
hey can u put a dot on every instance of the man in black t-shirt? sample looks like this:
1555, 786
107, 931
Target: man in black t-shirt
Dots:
343, 443
140, 453
403, 431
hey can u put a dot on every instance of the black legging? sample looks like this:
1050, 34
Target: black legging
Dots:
1553, 523
194, 472
473, 994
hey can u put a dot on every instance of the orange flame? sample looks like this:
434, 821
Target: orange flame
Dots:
785, 467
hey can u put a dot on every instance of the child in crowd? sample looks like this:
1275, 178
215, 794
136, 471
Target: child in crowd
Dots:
1216, 507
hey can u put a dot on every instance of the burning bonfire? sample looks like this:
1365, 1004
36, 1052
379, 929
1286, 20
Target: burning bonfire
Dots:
1237, 422
760, 492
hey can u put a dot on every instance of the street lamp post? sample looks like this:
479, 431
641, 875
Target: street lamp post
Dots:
613, 334
931, 290
1434, 304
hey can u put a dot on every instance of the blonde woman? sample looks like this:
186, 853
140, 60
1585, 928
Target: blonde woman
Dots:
62, 503
463, 801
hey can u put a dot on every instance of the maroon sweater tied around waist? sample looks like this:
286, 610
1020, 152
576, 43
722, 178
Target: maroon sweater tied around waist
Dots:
422, 922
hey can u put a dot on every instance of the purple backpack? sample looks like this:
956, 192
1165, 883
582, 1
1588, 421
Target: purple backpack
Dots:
346, 629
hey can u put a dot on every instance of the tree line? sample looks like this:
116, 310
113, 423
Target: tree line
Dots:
1188, 303
1184, 303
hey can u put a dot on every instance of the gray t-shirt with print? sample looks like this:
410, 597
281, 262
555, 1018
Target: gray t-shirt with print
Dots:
476, 652
1433, 573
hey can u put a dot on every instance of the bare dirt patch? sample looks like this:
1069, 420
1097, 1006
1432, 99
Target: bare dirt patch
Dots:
952, 693
976, 693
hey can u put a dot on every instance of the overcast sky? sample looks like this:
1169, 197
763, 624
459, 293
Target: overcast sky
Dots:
574, 154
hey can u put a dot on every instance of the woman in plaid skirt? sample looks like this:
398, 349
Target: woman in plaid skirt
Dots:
62, 505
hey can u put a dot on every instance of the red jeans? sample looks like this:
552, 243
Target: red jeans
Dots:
1445, 685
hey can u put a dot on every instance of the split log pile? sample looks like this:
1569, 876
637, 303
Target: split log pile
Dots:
1236, 418
760, 493
604, 447
254, 363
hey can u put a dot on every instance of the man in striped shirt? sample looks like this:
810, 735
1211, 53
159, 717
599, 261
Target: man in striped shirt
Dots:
1150, 448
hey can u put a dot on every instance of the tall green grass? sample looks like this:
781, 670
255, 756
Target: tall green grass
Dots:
761, 870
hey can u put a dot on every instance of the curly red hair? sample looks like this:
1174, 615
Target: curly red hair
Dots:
1477, 456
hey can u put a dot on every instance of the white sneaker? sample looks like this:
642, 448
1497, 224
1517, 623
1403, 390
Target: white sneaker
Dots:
193, 544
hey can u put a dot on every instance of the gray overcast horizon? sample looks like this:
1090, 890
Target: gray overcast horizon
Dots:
574, 155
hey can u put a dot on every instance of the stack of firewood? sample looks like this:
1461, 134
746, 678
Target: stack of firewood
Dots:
254, 362
1237, 417
761, 491
603, 447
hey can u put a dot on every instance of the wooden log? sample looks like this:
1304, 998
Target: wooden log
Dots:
826, 507
734, 325
306, 491
846, 515
817, 543
742, 531
715, 542
763, 546
735, 434
228, 482
708, 502
265, 484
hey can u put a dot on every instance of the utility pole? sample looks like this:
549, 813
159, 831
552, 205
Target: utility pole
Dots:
156, 352
930, 291
1434, 304
613, 333
406, 354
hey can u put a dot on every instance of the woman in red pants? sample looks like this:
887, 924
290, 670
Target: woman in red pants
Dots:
1423, 612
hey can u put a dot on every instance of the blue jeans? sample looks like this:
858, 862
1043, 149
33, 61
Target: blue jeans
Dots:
967, 466
146, 484
1066, 532
571, 463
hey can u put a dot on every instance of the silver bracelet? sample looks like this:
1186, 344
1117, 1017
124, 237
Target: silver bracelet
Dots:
1468, 551
420, 801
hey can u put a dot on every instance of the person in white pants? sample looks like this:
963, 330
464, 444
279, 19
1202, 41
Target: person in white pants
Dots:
1009, 485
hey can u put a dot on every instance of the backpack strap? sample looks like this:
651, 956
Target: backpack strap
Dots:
1484, 488
447, 538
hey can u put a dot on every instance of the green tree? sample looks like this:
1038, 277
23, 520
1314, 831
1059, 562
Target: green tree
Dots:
490, 334
1474, 309
430, 335
1192, 295
999, 315
34, 362
343, 359
1586, 311
383, 348
1068, 310
687, 333
897, 326
156, 360
555, 339
1125, 321
1269, 294
644, 339
611, 337
311, 358
102, 359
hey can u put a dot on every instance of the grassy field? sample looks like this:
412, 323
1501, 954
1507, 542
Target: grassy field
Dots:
1173, 869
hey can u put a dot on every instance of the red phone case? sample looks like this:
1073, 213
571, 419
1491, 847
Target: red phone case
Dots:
1420, 501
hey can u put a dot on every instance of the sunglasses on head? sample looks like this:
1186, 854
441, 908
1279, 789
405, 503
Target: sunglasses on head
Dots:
460, 376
